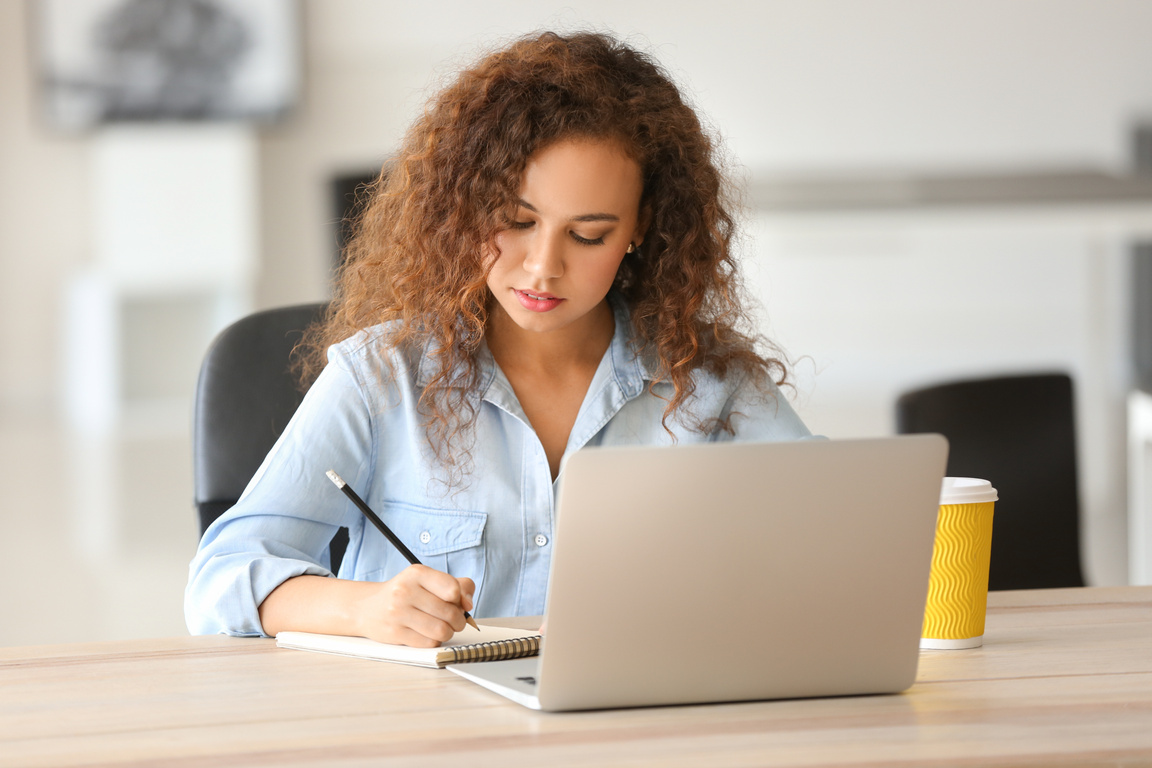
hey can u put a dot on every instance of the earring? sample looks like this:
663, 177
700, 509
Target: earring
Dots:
631, 248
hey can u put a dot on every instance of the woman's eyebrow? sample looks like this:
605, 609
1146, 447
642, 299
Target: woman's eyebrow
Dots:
596, 217
582, 217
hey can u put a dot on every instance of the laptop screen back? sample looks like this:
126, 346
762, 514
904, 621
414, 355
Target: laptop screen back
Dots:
739, 571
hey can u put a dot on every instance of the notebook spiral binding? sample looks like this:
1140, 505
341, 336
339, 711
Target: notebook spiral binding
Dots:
498, 650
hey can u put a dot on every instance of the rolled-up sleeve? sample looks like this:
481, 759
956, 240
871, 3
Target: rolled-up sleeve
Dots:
282, 525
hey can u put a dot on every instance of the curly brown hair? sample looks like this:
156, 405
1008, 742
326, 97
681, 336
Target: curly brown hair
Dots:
416, 258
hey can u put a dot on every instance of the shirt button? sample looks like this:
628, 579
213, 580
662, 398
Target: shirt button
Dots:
541, 539
425, 537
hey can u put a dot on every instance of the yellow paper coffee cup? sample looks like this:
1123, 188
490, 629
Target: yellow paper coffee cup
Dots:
958, 585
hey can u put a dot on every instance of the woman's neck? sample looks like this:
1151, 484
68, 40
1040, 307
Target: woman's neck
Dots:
578, 345
550, 372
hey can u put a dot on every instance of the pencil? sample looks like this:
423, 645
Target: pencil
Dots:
384, 529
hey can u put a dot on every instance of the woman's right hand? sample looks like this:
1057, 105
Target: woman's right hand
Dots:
420, 607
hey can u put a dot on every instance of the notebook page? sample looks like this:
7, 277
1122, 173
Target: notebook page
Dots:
362, 647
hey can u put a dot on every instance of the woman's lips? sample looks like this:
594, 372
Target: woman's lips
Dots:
537, 302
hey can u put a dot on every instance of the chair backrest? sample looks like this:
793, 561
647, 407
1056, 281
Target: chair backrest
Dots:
1019, 433
245, 396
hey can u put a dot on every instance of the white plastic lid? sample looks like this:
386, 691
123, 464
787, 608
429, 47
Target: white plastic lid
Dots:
966, 490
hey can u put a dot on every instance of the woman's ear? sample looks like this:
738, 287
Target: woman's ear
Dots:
642, 223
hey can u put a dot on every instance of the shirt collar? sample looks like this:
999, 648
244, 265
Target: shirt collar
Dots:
631, 365
428, 368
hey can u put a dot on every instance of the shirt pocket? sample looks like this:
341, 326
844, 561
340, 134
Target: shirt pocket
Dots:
447, 540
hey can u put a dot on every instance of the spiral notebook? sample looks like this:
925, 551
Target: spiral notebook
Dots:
489, 644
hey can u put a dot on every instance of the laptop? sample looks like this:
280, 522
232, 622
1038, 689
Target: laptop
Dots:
733, 572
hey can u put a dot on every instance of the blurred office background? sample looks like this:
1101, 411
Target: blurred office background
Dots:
934, 190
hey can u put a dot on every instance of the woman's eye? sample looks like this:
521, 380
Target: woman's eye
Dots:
586, 241
520, 225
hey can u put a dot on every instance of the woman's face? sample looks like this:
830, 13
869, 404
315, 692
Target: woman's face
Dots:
579, 208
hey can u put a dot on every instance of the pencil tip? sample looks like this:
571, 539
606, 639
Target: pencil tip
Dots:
472, 621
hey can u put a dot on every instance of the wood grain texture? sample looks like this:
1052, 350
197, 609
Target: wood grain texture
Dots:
1064, 678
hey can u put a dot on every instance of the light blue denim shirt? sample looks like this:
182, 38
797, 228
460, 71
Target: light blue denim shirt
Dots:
496, 528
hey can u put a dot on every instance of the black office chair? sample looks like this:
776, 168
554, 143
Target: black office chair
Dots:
245, 396
1017, 432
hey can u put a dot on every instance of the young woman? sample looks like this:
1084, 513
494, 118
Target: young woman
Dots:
546, 266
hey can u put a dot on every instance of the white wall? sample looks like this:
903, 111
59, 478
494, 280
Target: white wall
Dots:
795, 86
44, 227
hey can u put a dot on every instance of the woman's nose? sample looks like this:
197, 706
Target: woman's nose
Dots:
545, 258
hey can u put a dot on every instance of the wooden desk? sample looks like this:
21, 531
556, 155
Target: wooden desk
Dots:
1065, 677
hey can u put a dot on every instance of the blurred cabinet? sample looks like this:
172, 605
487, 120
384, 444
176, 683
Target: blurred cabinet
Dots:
174, 260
